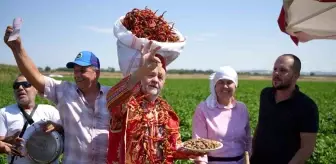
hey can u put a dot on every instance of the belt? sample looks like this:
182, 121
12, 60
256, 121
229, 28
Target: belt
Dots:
225, 159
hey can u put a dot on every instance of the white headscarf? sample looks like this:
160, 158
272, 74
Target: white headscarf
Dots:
225, 72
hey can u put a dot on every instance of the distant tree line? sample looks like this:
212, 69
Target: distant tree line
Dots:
189, 71
176, 71
64, 69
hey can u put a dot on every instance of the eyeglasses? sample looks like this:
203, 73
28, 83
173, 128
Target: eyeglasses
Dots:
25, 84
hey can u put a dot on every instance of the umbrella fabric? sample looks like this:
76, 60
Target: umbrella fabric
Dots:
326, 0
305, 20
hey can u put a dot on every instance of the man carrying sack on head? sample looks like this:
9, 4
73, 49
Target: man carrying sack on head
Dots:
144, 128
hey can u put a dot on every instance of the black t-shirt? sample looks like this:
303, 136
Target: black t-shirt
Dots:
279, 126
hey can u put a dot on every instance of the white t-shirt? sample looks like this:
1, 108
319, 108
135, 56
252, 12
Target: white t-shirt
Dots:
12, 121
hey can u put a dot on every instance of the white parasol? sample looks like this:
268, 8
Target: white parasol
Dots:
306, 20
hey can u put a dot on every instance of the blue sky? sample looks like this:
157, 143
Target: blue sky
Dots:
243, 34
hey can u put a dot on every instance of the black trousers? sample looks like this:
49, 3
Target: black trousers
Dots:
225, 159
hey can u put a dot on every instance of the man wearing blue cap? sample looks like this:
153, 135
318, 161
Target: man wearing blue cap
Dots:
82, 105
87, 62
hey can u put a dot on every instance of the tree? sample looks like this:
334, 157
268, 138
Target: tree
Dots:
111, 69
47, 69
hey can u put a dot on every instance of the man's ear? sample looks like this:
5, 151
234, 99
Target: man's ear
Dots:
98, 73
296, 75
35, 90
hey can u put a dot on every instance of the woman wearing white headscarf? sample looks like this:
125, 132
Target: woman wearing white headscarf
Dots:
221, 117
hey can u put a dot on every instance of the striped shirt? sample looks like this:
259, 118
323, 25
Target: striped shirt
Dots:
85, 129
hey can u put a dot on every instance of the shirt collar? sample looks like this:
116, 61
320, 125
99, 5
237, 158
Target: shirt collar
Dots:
101, 91
295, 93
233, 104
296, 90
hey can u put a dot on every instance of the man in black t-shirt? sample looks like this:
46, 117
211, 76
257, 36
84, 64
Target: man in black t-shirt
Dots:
288, 119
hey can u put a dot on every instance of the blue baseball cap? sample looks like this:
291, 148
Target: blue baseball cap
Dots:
85, 58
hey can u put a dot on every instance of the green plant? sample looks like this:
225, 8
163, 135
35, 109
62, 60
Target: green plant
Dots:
185, 94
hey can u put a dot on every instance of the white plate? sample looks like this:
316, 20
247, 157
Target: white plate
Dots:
204, 150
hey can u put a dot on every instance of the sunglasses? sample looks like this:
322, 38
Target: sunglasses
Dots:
25, 84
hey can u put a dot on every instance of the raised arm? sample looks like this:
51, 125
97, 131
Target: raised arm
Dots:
128, 86
25, 64
123, 90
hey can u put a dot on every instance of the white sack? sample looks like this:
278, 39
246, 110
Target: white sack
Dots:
128, 48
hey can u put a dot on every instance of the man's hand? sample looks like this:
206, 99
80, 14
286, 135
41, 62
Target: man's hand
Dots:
14, 139
191, 154
9, 149
50, 126
14, 44
13, 144
148, 62
24, 62
148, 55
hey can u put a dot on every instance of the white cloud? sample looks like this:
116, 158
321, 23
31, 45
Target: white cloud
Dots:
99, 29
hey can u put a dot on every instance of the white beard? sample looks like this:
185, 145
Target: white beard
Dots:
153, 91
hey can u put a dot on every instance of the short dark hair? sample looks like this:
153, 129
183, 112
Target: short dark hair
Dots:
297, 63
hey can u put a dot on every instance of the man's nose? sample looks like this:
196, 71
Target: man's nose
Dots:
276, 72
20, 87
155, 80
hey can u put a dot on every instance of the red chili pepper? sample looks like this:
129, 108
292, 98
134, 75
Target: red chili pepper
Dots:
145, 24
